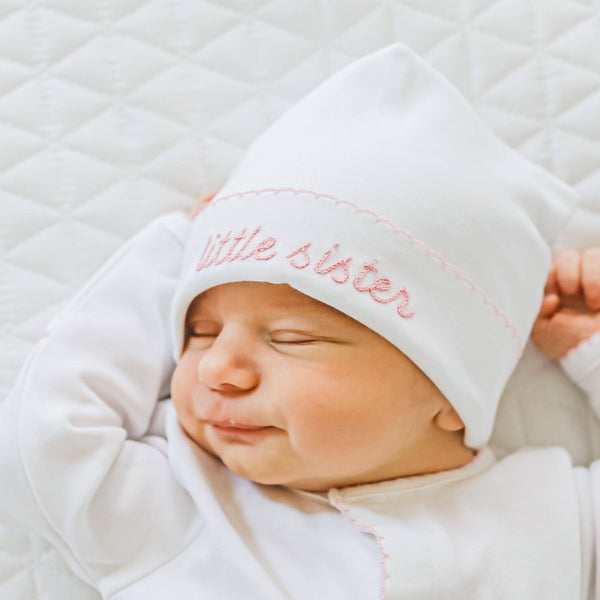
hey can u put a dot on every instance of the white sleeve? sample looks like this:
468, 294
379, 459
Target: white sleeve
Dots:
582, 365
75, 465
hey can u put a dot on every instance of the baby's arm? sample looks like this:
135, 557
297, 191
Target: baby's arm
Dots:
74, 463
568, 329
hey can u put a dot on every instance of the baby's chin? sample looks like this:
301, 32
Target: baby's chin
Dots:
261, 471
280, 477
266, 472
265, 468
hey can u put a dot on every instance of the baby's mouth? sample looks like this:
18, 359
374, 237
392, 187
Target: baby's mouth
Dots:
240, 433
236, 426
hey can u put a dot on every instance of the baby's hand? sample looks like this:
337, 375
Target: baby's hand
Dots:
570, 311
202, 203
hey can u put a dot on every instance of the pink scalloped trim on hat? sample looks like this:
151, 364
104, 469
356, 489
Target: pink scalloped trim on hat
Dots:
369, 529
430, 252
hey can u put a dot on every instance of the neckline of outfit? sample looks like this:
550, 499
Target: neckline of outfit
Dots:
482, 460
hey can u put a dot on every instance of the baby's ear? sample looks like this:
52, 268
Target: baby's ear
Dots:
448, 419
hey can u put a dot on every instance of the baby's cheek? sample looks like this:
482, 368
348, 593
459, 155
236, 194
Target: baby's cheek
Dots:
322, 429
184, 377
181, 396
193, 427
177, 387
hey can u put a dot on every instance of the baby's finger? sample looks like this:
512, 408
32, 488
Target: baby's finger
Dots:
551, 286
568, 271
590, 274
549, 305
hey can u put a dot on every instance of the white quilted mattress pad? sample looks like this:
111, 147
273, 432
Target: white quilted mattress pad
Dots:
116, 111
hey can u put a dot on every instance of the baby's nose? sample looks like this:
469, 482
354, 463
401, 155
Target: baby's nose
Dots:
227, 365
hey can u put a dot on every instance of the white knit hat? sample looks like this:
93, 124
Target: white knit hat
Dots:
383, 194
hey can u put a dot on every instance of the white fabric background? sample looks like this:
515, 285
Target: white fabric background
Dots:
114, 111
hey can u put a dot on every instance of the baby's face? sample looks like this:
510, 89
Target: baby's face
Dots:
337, 404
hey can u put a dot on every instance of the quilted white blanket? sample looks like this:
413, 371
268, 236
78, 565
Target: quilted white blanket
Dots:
114, 111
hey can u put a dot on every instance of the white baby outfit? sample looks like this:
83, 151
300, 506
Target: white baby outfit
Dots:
442, 237
91, 462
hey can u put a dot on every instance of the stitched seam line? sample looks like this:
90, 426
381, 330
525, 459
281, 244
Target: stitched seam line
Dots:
378, 537
429, 251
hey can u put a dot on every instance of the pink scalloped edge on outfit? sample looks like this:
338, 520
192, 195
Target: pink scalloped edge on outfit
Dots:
337, 502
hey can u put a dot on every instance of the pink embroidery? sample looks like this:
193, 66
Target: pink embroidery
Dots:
336, 501
206, 260
340, 263
381, 285
400, 308
432, 253
303, 250
368, 267
203, 262
236, 240
265, 245
222, 241
246, 244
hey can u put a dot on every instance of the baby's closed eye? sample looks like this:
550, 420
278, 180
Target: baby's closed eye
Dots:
277, 337
294, 341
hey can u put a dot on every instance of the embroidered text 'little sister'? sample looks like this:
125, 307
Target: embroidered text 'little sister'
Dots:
214, 254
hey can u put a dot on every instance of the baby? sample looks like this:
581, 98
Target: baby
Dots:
327, 337
406, 426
